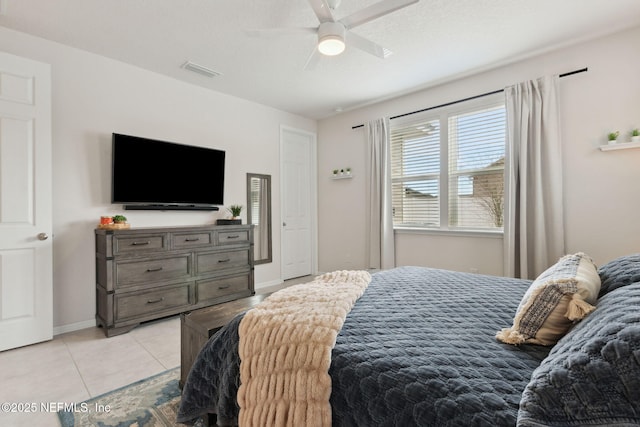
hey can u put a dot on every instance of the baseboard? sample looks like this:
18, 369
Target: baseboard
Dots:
58, 330
275, 282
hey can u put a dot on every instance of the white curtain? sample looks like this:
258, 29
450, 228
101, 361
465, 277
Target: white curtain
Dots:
534, 225
379, 221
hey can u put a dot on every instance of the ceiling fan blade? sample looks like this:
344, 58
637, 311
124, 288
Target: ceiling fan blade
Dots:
313, 60
322, 11
366, 45
271, 32
374, 11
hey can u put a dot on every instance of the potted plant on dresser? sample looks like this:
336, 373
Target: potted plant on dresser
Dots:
116, 222
235, 216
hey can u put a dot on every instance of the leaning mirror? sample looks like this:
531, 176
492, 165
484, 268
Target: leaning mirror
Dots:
259, 215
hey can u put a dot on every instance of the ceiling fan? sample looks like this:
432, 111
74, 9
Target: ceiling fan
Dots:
334, 36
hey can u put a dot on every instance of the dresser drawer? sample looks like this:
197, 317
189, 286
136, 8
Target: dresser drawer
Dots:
140, 244
137, 304
191, 240
233, 237
214, 261
153, 270
215, 288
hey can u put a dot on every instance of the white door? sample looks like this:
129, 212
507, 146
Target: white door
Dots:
26, 303
298, 202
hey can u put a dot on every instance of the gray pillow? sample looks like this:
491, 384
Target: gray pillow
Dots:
592, 376
619, 272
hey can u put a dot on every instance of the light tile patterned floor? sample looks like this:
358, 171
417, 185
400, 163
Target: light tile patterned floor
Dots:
79, 365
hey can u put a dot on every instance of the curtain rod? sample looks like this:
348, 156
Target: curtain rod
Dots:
570, 73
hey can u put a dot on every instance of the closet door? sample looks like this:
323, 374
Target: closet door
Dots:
297, 149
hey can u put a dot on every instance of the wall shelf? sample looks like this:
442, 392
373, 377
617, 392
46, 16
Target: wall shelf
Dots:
620, 146
345, 176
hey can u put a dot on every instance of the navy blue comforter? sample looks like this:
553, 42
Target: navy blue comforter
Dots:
418, 349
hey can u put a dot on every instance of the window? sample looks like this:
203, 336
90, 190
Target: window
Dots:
453, 155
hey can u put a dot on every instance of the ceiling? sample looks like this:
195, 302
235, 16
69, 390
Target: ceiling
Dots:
432, 41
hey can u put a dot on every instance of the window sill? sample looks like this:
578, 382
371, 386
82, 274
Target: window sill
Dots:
454, 233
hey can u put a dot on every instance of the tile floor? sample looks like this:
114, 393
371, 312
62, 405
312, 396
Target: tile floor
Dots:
79, 365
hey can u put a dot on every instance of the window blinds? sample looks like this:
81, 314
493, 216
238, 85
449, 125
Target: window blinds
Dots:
455, 156
415, 174
476, 168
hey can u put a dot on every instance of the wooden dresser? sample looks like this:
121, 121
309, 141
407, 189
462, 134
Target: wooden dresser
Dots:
147, 273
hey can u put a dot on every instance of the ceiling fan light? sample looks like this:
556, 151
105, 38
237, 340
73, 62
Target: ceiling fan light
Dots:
331, 38
331, 45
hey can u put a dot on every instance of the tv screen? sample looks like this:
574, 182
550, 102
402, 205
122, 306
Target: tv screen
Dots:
152, 174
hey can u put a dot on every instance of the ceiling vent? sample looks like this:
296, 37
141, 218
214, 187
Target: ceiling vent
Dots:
200, 69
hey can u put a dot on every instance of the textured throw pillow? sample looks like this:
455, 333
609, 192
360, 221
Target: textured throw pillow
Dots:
619, 272
592, 376
559, 297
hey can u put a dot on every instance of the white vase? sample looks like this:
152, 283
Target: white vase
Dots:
635, 138
612, 141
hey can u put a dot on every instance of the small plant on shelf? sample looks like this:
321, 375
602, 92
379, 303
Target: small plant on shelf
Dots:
635, 135
119, 219
235, 210
613, 136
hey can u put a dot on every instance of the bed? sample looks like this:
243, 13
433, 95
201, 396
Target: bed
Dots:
419, 348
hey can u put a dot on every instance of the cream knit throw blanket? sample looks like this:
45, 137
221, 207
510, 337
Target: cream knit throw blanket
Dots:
285, 351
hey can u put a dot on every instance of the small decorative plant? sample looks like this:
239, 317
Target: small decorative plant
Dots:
235, 210
348, 170
613, 135
635, 132
335, 171
119, 219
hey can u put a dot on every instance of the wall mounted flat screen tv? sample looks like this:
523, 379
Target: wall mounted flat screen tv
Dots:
153, 174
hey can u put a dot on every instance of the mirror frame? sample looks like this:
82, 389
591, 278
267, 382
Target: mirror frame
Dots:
267, 181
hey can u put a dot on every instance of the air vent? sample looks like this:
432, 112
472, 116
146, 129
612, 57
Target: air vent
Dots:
200, 69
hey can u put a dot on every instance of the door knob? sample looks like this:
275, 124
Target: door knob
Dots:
43, 236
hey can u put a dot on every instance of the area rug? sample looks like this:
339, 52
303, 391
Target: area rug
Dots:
151, 402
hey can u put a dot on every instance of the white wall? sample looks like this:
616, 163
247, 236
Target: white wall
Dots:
94, 96
602, 196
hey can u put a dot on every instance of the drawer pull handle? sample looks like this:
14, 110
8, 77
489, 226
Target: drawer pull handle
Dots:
155, 301
151, 270
234, 236
195, 239
140, 243
223, 287
224, 260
